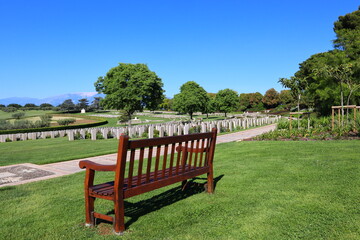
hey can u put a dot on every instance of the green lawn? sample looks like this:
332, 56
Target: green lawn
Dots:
43, 151
30, 113
264, 190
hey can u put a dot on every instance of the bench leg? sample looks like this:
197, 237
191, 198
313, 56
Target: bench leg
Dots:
210, 182
119, 220
89, 209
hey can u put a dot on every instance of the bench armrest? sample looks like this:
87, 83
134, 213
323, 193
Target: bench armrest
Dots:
95, 166
189, 149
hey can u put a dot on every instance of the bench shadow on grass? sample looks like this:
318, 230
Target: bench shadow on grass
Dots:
141, 208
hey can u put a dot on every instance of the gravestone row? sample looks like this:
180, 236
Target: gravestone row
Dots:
149, 131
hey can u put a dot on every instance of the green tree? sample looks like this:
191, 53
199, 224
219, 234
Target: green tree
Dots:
30, 106
244, 101
192, 98
342, 74
95, 105
14, 105
67, 106
166, 104
83, 104
297, 87
131, 87
227, 100
271, 98
286, 97
211, 104
347, 30
46, 106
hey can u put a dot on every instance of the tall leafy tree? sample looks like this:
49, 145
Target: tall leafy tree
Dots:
271, 98
192, 98
166, 104
67, 106
211, 105
46, 106
95, 105
130, 87
83, 104
286, 97
14, 105
347, 29
297, 86
244, 101
30, 106
227, 100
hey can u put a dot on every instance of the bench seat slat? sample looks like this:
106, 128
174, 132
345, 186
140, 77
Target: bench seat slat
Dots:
107, 189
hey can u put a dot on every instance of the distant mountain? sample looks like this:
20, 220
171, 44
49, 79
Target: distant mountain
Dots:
55, 100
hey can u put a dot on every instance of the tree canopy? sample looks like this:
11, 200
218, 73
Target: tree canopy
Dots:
67, 106
227, 100
271, 98
333, 77
192, 98
130, 87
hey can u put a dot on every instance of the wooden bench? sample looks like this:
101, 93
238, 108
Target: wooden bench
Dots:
145, 165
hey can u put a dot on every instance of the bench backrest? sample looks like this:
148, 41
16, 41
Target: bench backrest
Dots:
164, 159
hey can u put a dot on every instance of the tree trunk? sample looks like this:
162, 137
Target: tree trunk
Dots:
191, 115
342, 104
298, 108
225, 114
129, 121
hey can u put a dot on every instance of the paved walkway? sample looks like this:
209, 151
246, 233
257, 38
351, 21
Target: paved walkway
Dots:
28, 172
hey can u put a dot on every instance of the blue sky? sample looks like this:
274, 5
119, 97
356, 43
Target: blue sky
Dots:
50, 48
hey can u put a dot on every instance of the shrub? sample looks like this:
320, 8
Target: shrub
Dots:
9, 109
156, 133
87, 135
66, 121
18, 115
99, 136
145, 135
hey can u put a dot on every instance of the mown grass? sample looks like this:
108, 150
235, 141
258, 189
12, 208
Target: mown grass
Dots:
30, 113
43, 151
264, 190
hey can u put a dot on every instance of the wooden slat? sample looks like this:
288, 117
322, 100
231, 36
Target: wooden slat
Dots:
184, 156
202, 153
178, 160
103, 216
141, 159
164, 160
131, 167
148, 168
167, 140
196, 153
164, 182
158, 153
208, 142
172, 158
191, 154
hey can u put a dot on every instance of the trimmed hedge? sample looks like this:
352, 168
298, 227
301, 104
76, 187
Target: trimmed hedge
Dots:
46, 129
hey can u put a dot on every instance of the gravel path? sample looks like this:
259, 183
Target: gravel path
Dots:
9, 177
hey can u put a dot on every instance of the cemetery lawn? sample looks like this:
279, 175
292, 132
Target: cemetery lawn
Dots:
43, 151
264, 190
30, 113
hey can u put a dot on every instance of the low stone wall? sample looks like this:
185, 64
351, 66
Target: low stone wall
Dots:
150, 130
